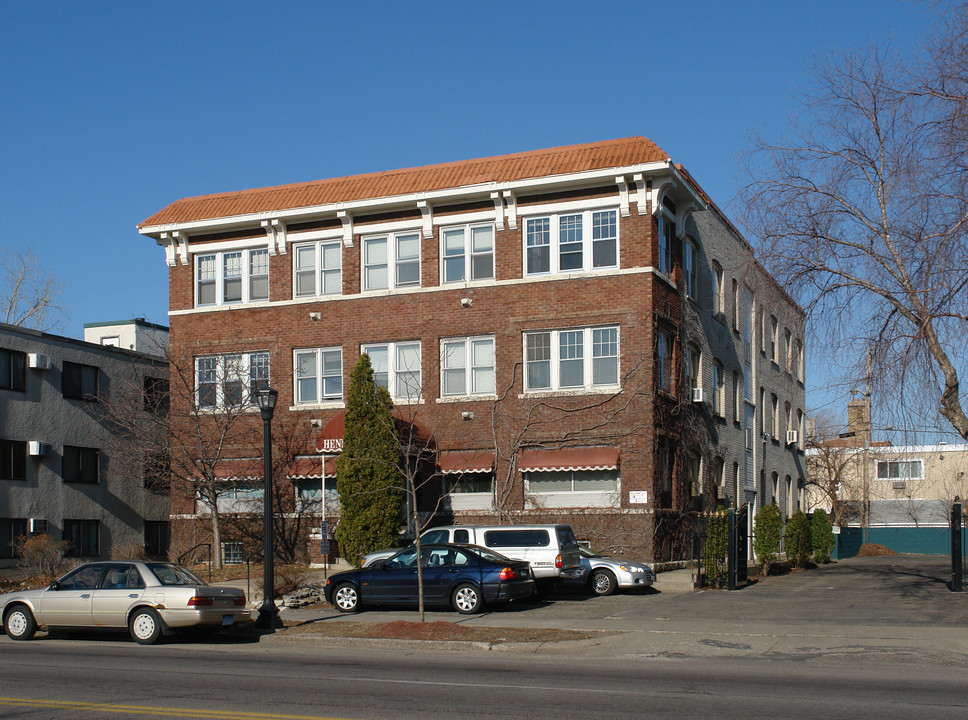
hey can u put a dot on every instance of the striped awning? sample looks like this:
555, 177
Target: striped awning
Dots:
239, 469
465, 461
586, 458
306, 468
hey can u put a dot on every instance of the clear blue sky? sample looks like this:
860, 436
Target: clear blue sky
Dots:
112, 110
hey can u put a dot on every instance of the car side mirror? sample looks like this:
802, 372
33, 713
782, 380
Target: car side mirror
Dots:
383, 565
54, 585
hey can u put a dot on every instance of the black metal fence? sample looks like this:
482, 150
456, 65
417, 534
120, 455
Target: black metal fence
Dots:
958, 548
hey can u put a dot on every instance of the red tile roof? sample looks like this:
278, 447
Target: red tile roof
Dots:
502, 168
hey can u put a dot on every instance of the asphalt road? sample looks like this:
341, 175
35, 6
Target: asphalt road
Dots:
874, 638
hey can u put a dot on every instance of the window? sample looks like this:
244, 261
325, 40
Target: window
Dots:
396, 366
555, 481
798, 361
667, 234
80, 464
787, 351
391, 261
319, 375
558, 359
775, 487
10, 530
717, 289
718, 384
233, 553
736, 305
762, 410
318, 269
230, 277
13, 460
467, 366
79, 381
774, 344
693, 469
467, 253
737, 397
156, 398
689, 271
577, 242
663, 361
788, 484
157, 538
693, 367
82, 538
719, 470
775, 417
157, 470
900, 469
469, 482
13, 370
230, 380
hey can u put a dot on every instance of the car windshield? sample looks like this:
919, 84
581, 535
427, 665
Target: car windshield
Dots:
169, 574
588, 552
488, 554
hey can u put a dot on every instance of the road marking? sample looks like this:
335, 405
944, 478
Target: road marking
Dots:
148, 710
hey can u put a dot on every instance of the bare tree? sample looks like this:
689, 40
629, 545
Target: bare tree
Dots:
832, 470
28, 295
862, 213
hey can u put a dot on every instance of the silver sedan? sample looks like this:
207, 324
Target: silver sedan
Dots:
148, 598
603, 575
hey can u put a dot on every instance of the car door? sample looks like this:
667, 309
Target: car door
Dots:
439, 570
394, 580
69, 602
121, 586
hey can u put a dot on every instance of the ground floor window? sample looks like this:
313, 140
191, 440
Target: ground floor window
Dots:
468, 482
82, 537
572, 481
10, 530
233, 553
157, 537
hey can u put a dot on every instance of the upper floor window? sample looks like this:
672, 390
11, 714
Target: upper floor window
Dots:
775, 418
689, 271
81, 464
582, 358
319, 375
79, 382
663, 361
82, 537
738, 392
230, 381
718, 388
798, 361
571, 242
467, 253
693, 367
467, 366
900, 469
13, 370
233, 276
774, 340
717, 289
736, 304
787, 350
13, 460
318, 269
396, 366
667, 234
391, 261
157, 397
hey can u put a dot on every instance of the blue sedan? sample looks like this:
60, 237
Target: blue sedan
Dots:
466, 577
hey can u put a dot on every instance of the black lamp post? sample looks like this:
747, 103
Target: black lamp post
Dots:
268, 613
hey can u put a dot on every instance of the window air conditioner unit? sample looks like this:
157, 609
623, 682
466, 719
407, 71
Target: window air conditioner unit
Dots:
792, 437
900, 484
37, 449
38, 361
697, 395
37, 525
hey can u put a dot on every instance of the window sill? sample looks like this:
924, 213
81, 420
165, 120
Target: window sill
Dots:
467, 398
571, 392
334, 405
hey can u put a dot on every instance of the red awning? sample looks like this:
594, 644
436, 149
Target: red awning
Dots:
239, 469
303, 468
330, 438
464, 461
588, 458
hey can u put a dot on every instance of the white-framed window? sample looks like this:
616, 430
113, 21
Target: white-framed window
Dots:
693, 367
900, 469
663, 361
690, 255
467, 366
775, 418
667, 234
693, 469
318, 269
236, 276
223, 381
233, 553
738, 392
564, 481
396, 366
582, 358
774, 339
391, 261
798, 360
318, 375
719, 472
719, 381
467, 253
717, 289
571, 242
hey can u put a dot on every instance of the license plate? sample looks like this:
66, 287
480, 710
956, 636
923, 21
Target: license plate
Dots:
227, 619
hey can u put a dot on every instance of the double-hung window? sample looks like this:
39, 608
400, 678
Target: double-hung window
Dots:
574, 242
13, 370
900, 469
578, 359
557, 481
83, 537
318, 269
230, 381
718, 384
396, 366
667, 234
81, 464
13, 460
689, 270
693, 368
467, 366
79, 382
663, 361
391, 261
717, 289
319, 375
233, 276
467, 253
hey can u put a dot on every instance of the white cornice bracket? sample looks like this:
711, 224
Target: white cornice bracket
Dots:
511, 203
427, 218
281, 236
498, 210
641, 205
347, 220
623, 195
168, 243
180, 241
271, 239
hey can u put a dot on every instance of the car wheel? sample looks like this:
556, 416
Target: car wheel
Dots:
603, 582
346, 598
145, 626
467, 599
19, 623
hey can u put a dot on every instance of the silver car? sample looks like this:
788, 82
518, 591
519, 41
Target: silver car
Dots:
603, 575
148, 598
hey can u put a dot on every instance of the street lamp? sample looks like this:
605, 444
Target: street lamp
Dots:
268, 613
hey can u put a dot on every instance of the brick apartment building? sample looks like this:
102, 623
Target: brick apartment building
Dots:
581, 332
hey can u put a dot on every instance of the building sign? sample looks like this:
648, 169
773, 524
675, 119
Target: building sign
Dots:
331, 445
638, 497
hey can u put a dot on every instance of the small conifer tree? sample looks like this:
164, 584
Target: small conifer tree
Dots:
717, 547
822, 534
799, 539
367, 471
767, 528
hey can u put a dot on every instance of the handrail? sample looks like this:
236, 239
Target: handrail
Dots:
207, 546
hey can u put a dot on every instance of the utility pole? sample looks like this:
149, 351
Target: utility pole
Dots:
866, 501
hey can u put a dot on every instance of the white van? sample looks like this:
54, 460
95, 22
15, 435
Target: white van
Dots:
552, 550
